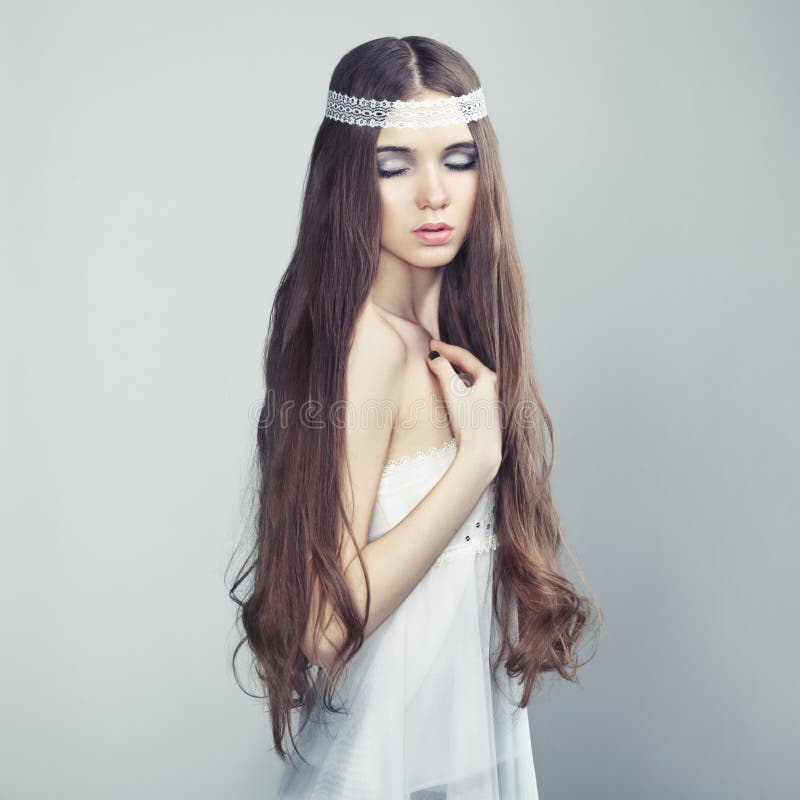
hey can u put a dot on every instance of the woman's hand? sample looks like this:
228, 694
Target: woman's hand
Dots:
470, 391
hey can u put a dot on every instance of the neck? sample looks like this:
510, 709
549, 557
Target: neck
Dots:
408, 292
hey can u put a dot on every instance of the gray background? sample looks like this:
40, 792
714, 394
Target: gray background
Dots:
152, 159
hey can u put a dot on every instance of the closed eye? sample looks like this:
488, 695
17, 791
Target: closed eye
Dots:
383, 173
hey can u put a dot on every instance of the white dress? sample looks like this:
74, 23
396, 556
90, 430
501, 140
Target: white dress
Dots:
424, 721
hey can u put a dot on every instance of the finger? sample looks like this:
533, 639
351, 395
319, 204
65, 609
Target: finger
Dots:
444, 371
466, 378
459, 355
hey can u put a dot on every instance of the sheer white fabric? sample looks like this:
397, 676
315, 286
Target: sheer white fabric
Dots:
424, 720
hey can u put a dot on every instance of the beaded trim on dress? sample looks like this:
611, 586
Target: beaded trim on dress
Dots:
478, 540
466, 547
431, 451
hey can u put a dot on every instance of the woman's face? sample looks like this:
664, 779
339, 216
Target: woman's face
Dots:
426, 175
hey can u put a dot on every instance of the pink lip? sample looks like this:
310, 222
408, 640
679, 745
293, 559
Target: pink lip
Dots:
434, 232
434, 237
429, 226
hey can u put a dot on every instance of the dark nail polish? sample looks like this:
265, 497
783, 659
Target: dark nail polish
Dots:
433, 354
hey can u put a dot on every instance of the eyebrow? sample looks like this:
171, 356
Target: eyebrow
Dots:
398, 149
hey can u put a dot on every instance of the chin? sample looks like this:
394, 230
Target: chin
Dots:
427, 255
440, 258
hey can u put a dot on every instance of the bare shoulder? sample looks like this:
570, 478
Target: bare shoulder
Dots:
372, 329
377, 358
374, 379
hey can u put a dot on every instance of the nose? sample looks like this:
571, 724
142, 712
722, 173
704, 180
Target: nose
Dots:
431, 191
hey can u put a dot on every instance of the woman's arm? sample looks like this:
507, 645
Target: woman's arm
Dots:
396, 561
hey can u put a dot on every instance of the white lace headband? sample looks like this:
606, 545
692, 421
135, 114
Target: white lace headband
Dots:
406, 113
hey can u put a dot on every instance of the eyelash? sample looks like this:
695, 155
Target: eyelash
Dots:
392, 174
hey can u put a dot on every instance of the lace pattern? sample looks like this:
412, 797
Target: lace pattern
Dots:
463, 548
405, 113
438, 449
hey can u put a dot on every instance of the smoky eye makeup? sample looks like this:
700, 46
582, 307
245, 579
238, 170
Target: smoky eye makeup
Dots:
392, 164
397, 164
461, 160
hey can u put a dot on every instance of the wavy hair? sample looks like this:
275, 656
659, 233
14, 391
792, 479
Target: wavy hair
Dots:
296, 510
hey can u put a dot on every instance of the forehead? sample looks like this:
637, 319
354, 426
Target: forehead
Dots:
424, 139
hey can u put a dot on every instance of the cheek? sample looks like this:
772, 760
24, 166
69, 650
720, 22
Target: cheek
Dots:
391, 211
470, 195
471, 186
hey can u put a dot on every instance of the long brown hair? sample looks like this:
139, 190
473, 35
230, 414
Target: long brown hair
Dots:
297, 501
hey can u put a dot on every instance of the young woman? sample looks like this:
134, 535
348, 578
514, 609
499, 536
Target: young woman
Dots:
404, 592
